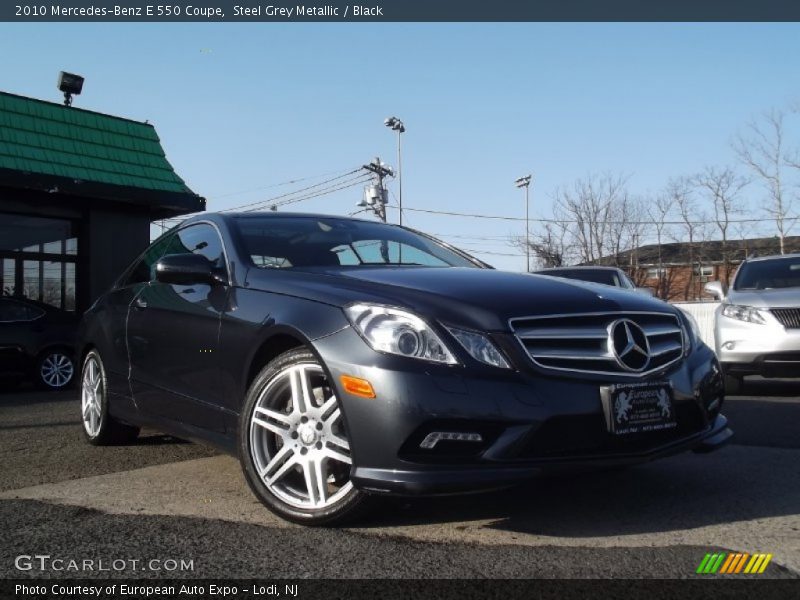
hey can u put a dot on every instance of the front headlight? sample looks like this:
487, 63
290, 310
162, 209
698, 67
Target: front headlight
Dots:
743, 313
480, 348
397, 331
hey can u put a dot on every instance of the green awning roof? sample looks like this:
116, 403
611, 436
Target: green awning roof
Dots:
52, 140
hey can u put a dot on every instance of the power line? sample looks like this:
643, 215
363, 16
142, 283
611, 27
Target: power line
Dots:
274, 185
323, 192
568, 222
287, 194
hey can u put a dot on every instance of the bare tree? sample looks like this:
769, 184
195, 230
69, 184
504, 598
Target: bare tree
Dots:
590, 206
658, 210
679, 191
762, 149
548, 247
722, 187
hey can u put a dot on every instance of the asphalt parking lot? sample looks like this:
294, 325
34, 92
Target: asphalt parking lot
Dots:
162, 498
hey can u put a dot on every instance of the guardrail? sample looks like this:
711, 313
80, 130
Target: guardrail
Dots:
703, 312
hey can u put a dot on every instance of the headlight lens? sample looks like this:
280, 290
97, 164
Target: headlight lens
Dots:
398, 331
743, 313
480, 348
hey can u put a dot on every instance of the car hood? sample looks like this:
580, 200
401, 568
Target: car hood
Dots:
774, 298
479, 298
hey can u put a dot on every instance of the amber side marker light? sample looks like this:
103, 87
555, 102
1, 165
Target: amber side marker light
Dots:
357, 387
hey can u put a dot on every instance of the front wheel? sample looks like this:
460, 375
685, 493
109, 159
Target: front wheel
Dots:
99, 427
293, 443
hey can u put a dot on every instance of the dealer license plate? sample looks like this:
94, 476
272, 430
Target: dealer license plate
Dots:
638, 407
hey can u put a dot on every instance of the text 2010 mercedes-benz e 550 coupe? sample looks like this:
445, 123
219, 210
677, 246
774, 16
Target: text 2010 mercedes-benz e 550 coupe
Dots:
340, 358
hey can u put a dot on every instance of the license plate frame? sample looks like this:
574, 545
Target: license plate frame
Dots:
642, 407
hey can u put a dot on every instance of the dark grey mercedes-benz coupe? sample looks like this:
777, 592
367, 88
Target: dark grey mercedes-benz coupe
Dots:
342, 358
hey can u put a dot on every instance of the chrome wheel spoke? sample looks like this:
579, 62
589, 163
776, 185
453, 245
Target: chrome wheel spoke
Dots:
269, 425
302, 397
335, 453
280, 417
316, 482
280, 464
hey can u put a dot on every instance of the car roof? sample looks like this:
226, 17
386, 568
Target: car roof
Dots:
773, 257
271, 214
579, 268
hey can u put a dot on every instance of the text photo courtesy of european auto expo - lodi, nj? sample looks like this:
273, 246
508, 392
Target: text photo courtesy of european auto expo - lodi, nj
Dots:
402, 300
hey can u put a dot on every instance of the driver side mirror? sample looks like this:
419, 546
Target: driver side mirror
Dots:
647, 291
716, 289
188, 269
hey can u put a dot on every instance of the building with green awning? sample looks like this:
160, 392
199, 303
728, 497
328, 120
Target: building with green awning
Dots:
78, 191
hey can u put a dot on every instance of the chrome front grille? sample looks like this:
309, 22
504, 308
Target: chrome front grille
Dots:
581, 342
788, 317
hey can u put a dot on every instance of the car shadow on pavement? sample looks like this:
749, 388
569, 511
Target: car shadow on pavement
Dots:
688, 491
758, 386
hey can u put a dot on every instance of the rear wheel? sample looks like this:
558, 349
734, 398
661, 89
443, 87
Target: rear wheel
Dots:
99, 427
293, 444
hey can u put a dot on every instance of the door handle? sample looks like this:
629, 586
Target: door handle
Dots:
140, 302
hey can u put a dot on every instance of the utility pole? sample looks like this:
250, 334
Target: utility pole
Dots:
397, 125
375, 194
525, 182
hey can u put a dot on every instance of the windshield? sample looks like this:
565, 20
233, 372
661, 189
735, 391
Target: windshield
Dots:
286, 242
604, 276
769, 274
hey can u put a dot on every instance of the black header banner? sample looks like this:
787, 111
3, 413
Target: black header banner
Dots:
399, 10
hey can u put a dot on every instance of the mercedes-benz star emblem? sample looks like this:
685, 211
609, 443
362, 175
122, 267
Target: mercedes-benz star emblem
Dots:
628, 344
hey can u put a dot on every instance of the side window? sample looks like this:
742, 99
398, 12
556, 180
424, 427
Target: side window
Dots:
144, 269
199, 239
11, 312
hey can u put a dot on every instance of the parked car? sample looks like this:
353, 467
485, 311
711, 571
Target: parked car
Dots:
341, 358
612, 276
757, 325
36, 342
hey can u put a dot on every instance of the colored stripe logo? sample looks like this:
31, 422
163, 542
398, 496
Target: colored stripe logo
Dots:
733, 563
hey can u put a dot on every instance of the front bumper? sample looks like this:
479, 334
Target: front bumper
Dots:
767, 349
529, 420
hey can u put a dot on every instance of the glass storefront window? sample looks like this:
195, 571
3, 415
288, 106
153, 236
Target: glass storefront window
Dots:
37, 258
22, 233
8, 277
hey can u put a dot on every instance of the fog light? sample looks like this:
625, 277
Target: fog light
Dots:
435, 437
729, 345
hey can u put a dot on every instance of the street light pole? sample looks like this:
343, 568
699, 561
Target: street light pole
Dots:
525, 182
397, 125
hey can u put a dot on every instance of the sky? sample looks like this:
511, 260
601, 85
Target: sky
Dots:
242, 109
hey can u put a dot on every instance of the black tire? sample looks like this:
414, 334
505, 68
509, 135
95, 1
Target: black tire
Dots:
346, 508
733, 385
109, 431
55, 369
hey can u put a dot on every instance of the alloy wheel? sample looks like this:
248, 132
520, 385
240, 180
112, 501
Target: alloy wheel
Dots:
56, 370
297, 439
91, 397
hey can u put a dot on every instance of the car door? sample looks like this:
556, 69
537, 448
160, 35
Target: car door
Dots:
173, 338
18, 331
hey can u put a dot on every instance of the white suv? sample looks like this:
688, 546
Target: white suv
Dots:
757, 326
